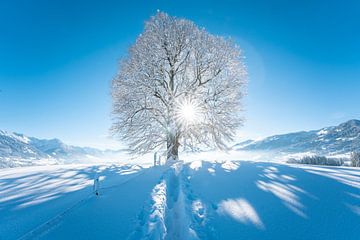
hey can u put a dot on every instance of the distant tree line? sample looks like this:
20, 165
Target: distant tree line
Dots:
318, 160
322, 160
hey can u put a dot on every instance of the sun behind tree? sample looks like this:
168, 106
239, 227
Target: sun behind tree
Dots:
178, 83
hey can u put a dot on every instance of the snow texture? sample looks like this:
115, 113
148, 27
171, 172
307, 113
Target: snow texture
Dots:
233, 200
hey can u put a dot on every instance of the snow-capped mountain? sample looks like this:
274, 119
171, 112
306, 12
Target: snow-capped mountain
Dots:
20, 150
340, 139
56, 148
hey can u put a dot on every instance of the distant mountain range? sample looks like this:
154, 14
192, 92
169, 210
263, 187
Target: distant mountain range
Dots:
341, 139
20, 150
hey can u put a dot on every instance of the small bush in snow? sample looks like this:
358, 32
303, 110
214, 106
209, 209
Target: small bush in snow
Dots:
355, 159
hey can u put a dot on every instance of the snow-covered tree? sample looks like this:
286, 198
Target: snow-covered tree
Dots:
178, 86
355, 159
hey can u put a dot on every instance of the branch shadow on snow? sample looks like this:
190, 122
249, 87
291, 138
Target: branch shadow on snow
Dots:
255, 200
23, 190
349, 177
31, 196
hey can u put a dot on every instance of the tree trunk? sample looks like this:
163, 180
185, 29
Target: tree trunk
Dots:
173, 147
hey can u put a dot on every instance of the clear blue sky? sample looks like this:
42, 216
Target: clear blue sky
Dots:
57, 59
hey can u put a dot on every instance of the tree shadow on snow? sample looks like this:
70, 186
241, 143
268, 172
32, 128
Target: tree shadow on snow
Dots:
254, 200
31, 196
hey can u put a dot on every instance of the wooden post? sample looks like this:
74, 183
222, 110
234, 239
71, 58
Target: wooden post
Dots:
96, 185
155, 159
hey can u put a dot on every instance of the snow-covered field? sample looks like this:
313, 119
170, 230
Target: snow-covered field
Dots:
195, 200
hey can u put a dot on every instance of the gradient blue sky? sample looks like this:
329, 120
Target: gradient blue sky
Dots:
57, 59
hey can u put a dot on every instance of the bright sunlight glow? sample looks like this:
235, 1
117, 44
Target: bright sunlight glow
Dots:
187, 112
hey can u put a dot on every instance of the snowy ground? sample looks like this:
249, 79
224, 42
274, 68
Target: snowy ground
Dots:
197, 200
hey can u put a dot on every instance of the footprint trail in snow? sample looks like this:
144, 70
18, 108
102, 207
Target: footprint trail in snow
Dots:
173, 212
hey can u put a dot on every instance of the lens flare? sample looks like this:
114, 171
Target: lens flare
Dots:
187, 112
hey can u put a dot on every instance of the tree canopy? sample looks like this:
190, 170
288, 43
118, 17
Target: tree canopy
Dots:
178, 86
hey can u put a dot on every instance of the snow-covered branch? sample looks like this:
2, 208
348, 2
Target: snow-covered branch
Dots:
171, 64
